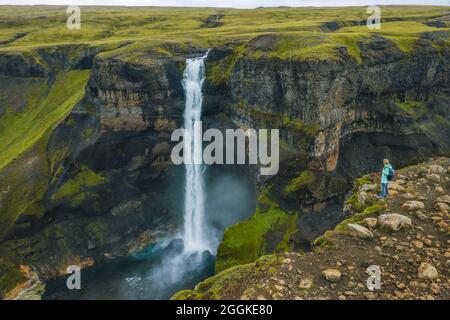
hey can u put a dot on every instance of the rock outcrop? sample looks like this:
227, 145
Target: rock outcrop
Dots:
339, 118
97, 181
410, 263
99, 184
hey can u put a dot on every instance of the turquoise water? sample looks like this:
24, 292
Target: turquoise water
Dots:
143, 276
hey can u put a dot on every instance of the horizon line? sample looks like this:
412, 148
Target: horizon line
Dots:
221, 7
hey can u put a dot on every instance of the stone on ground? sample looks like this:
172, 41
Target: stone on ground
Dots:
359, 231
396, 186
413, 205
434, 168
394, 221
434, 177
362, 197
441, 206
370, 222
368, 187
427, 271
332, 275
444, 199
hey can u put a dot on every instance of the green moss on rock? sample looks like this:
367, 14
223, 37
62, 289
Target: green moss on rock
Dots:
325, 241
76, 188
352, 199
25, 131
360, 211
214, 287
220, 72
23, 183
247, 241
416, 109
10, 276
357, 218
304, 179
97, 231
45, 108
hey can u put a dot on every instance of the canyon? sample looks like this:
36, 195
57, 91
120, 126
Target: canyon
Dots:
85, 171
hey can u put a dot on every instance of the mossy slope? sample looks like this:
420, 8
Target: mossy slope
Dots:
215, 286
268, 230
45, 107
25, 133
300, 31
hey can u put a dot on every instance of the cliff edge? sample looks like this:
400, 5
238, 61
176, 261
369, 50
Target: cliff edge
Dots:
407, 237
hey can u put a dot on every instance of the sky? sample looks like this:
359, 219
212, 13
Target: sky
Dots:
228, 3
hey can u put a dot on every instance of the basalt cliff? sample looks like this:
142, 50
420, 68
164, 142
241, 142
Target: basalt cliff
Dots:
85, 171
399, 249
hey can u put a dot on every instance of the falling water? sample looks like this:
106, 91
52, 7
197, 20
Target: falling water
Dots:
194, 237
166, 268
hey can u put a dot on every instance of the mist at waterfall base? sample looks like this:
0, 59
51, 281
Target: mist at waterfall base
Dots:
160, 270
152, 273
192, 256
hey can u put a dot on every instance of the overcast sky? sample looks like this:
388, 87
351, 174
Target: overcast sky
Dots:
228, 3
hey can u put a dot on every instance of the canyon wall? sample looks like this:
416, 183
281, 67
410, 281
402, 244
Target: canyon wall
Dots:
339, 118
99, 183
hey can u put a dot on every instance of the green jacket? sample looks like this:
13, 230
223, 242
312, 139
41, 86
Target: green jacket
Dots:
385, 173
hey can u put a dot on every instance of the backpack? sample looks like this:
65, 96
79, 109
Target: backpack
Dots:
391, 174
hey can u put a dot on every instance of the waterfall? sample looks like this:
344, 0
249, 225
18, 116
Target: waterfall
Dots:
194, 236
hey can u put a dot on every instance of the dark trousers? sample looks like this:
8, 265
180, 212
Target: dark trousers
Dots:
384, 190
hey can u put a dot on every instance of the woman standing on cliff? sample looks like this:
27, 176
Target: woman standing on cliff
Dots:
387, 174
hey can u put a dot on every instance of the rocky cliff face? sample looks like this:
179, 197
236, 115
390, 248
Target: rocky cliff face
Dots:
344, 98
99, 183
404, 240
339, 118
135, 96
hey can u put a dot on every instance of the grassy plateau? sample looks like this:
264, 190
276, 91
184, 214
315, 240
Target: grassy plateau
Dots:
137, 33
33, 104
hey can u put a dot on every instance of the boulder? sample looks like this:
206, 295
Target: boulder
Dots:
444, 199
427, 271
305, 284
413, 205
439, 189
395, 186
359, 231
362, 197
368, 187
408, 196
175, 247
434, 177
418, 244
332, 275
441, 206
370, 222
437, 169
394, 221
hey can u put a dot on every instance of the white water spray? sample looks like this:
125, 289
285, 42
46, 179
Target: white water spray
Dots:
194, 236
175, 268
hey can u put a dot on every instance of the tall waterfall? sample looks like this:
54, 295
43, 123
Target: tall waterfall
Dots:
195, 238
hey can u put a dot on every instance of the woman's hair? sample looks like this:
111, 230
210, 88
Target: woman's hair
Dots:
386, 161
